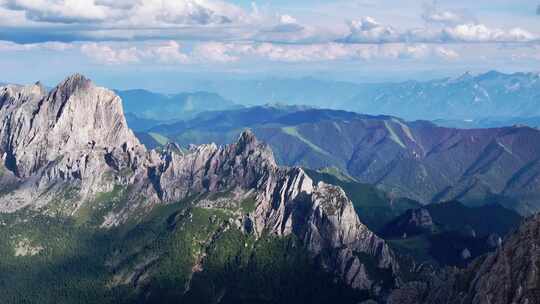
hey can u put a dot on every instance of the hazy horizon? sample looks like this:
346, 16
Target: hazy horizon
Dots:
156, 45
193, 82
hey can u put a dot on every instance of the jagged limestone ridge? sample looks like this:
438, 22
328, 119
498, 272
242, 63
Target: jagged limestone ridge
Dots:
77, 136
287, 202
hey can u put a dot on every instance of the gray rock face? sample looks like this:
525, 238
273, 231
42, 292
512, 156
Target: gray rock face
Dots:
509, 275
76, 133
76, 136
324, 218
512, 274
175, 175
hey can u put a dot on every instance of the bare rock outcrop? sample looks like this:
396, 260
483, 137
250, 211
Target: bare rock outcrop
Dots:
77, 133
512, 274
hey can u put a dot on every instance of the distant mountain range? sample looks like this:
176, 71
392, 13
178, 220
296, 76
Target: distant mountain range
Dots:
469, 96
142, 104
491, 99
492, 94
492, 122
417, 160
138, 124
291, 91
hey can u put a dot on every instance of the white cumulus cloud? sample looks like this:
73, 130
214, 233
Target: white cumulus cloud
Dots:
446, 53
216, 52
106, 54
63, 11
51, 46
481, 33
434, 14
140, 13
368, 30
168, 52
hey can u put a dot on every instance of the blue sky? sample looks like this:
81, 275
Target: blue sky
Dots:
157, 43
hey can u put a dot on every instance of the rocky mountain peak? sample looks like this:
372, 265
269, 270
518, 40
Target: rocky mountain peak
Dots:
247, 138
94, 111
247, 141
73, 83
247, 144
39, 86
76, 132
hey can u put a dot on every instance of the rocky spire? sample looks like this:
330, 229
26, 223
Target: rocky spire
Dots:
63, 91
247, 138
74, 82
248, 144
